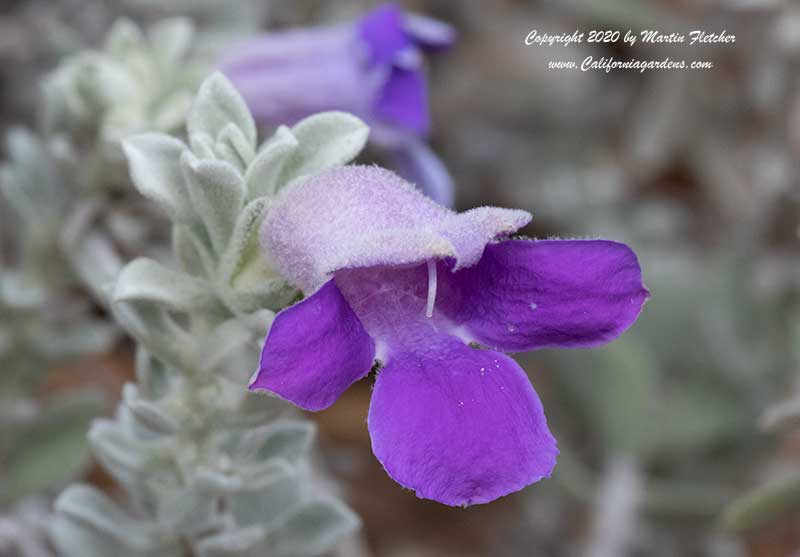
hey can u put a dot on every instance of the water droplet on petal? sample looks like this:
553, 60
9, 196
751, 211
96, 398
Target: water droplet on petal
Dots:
533, 305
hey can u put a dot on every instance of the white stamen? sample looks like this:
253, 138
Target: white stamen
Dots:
431, 287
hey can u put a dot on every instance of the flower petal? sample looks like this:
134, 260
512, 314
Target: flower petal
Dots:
383, 31
431, 35
526, 294
287, 76
458, 425
315, 350
361, 216
300, 46
403, 101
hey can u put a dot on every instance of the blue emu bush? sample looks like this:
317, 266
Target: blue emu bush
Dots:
389, 275
326, 270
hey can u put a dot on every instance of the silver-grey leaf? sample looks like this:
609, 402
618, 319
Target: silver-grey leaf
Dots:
218, 104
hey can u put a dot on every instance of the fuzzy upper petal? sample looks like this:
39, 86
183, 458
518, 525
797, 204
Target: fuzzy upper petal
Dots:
361, 216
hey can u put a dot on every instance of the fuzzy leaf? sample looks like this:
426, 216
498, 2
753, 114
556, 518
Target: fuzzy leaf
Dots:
243, 244
89, 505
217, 192
255, 473
190, 510
233, 146
171, 39
152, 415
218, 104
263, 174
123, 38
264, 502
284, 439
202, 146
228, 337
122, 455
151, 374
326, 140
186, 252
313, 529
249, 282
148, 280
154, 161
159, 334
89, 524
244, 542
273, 293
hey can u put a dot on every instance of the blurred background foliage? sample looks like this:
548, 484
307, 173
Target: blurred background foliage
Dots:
678, 439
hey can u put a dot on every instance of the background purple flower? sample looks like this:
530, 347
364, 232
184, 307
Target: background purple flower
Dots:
394, 277
372, 67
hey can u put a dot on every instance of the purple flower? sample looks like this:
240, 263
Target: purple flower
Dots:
371, 67
392, 276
